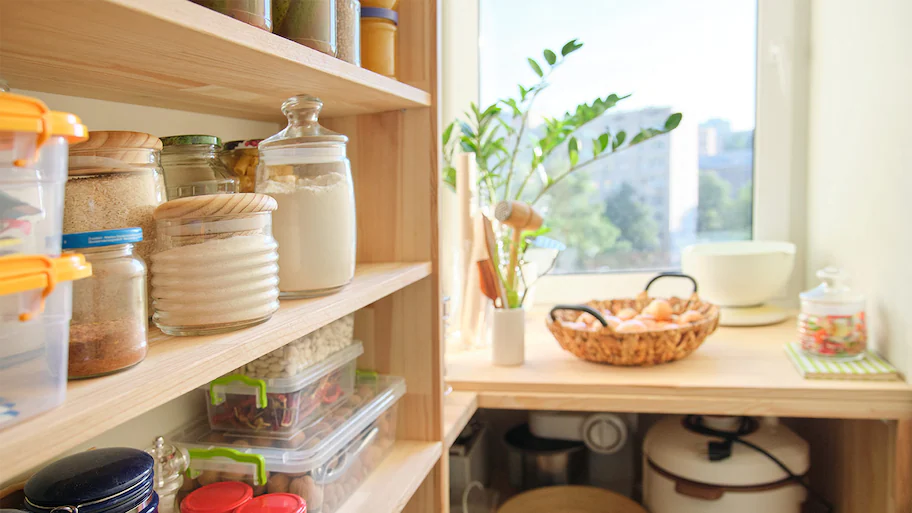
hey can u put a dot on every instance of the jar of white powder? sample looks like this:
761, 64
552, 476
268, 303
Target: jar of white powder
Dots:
305, 168
215, 264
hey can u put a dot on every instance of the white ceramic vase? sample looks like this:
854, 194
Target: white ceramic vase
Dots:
508, 347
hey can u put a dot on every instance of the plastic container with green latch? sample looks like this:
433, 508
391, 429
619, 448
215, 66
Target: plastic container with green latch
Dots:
245, 404
323, 463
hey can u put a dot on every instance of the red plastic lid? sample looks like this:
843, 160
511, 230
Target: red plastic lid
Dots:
275, 503
222, 497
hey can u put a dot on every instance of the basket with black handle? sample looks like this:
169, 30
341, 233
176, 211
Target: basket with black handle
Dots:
658, 343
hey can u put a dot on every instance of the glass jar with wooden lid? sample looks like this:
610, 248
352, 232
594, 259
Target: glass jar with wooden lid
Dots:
115, 181
215, 264
192, 167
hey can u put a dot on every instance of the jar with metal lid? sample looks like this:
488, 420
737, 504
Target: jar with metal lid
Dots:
252, 12
115, 181
311, 23
378, 40
110, 480
348, 31
108, 329
192, 167
241, 158
275, 503
832, 319
305, 168
215, 265
170, 464
221, 497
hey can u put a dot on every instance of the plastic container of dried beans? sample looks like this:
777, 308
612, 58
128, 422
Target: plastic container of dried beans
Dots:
323, 463
240, 403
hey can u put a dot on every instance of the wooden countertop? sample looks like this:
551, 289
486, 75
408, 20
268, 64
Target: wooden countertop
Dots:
742, 371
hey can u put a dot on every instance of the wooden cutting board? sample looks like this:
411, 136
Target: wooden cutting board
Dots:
570, 499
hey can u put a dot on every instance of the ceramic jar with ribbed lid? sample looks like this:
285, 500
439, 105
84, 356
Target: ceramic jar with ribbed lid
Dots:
215, 267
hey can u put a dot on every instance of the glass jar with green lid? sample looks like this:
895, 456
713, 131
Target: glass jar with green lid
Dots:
192, 167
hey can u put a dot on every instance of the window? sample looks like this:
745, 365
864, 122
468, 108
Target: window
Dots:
638, 209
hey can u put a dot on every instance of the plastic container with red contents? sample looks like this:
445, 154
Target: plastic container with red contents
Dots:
243, 404
221, 497
275, 503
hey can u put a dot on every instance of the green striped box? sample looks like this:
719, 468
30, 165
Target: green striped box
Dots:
871, 367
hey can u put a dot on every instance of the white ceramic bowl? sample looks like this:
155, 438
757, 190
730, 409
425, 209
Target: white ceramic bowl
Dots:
740, 273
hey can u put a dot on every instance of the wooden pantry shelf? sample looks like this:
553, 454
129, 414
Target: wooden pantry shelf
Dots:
390, 486
179, 55
458, 408
177, 365
737, 371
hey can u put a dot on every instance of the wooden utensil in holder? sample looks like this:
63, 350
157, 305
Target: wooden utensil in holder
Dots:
520, 217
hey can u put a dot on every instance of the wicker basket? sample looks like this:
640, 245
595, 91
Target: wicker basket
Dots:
634, 349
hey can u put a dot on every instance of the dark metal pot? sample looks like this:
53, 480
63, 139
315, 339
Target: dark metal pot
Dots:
534, 462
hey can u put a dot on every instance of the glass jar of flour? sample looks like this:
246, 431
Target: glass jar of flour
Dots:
305, 168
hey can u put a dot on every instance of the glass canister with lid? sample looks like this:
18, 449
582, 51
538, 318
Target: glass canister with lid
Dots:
241, 158
832, 319
192, 167
305, 168
108, 330
311, 23
214, 268
115, 181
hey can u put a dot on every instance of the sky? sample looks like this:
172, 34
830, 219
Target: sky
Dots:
696, 56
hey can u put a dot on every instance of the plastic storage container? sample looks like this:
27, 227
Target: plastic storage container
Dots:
215, 268
378, 40
348, 31
108, 330
115, 181
192, 167
240, 403
35, 310
305, 168
311, 23
308, 350
832, 319
33, 170
252, 12
323, 463
241, 158
112, 480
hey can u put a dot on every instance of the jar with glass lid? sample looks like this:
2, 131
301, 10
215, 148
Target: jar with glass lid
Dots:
115, 181
832, 319
108, 329
192, 167
305, 168
214, 268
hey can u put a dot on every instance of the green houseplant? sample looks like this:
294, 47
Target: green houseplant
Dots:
515, 163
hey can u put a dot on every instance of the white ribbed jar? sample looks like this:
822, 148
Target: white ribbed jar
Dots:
215, 264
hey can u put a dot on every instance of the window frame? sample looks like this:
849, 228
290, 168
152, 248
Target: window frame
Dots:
780, 137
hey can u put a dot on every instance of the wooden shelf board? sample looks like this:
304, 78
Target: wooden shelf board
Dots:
458, 408
177, 365
742, 371
390, 486
179, 55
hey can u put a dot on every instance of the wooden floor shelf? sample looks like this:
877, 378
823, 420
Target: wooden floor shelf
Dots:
458, 408
179, 55
390, 486
177, 365
742, 371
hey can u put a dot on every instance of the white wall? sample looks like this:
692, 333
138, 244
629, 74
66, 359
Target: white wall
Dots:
103, 115
860, 159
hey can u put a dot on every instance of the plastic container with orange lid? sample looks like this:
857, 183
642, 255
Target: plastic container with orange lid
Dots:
35, 310
33, 170
378, 39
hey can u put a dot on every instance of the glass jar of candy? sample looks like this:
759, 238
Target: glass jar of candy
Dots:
832, 319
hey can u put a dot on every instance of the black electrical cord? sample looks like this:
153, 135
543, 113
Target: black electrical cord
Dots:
720, 451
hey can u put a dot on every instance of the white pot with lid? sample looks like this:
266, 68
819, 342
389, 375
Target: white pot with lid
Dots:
680, 477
